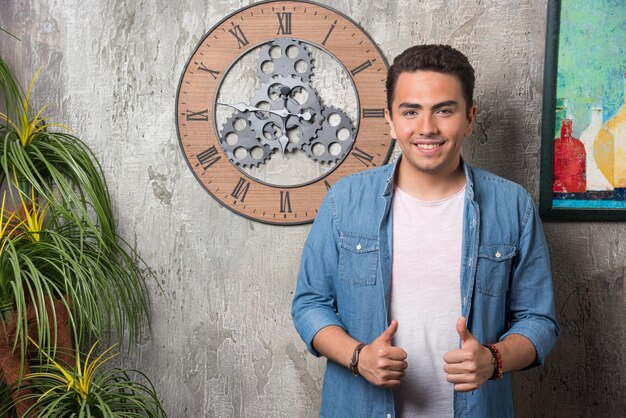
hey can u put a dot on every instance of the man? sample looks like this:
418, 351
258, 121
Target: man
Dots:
425, 282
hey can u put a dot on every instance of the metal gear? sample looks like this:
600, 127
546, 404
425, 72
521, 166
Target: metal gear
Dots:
269, 127
246, 139
327, 136
285, 65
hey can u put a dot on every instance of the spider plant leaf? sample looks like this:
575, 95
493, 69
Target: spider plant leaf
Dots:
114, 393
10, 34
11, 90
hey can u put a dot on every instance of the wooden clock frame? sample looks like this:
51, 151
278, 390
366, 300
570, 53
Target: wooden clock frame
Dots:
234, 36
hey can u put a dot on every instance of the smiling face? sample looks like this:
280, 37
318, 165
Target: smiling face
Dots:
429, 119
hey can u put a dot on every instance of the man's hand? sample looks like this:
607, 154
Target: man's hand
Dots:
470, 367
382, 364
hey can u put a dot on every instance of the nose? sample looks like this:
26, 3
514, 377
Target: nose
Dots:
427, 125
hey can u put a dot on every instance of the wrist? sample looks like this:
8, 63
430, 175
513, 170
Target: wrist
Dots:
354, 360
496, 361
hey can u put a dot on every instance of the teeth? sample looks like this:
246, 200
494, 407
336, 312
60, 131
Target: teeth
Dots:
428, 146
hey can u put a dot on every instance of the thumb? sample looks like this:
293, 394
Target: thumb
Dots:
388, 334
461, 329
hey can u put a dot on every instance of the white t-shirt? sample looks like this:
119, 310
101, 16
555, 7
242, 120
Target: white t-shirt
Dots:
425, 298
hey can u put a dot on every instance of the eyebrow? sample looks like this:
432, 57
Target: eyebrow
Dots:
447, 103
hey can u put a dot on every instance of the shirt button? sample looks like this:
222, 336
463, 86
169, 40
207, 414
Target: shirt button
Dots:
388, 415
498, 254
358, 246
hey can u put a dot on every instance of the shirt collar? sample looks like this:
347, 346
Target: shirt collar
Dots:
467, 169
469, 179
391, 176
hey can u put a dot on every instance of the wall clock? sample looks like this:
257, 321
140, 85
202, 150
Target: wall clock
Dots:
279, 101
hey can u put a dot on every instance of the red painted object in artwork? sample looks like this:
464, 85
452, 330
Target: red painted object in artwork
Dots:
569, 162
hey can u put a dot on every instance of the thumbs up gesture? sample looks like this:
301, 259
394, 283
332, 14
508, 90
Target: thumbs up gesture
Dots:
381, 363
470, 366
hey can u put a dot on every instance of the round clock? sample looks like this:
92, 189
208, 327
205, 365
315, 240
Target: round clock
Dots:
279, 101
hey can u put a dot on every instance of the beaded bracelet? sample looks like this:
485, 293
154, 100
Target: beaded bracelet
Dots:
496, 361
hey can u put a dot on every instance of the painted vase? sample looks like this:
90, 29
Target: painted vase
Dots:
569, 162
610, 147
596, 180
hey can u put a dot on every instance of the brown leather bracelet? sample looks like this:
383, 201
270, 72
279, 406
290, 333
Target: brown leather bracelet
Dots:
354, 363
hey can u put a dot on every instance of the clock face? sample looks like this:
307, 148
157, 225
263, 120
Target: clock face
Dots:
279, 101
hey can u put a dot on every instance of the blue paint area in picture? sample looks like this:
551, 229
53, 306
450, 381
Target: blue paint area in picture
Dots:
588, 204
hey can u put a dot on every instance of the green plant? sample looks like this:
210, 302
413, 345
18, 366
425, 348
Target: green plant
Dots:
65, 275
65, 247
86, 390
5, 397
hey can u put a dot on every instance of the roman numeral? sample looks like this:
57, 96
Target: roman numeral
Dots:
363, 156
202, 115
285, 202
329, 32
361, 67
208, 157
374, 113
203, 67
238, 34
241, 189
284, 22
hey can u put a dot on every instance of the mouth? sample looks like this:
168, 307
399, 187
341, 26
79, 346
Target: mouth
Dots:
428, 146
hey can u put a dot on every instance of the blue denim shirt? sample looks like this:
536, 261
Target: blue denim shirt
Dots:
345, 278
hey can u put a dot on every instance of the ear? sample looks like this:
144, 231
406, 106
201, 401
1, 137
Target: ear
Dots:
392, 131
470, 121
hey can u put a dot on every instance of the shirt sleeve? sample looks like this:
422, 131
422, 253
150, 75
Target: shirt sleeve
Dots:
530, 302
314, 303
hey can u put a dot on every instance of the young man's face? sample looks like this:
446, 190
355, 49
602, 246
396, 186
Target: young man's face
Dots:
430, 120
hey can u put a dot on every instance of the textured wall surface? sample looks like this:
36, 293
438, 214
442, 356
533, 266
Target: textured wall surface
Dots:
223, 344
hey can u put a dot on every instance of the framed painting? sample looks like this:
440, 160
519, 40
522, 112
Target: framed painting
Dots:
583, 144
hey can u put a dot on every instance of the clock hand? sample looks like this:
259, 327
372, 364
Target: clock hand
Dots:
283, 141
284, 92
284, 113
242, 107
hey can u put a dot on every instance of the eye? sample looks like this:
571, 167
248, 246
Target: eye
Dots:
445, 112
409, 113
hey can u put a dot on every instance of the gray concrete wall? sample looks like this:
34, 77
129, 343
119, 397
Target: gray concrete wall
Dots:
223, 343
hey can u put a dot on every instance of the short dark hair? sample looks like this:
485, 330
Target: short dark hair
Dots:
438, 58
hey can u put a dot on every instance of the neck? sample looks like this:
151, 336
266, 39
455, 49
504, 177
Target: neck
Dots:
430, 186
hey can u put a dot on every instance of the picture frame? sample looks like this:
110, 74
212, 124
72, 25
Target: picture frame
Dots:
583, 132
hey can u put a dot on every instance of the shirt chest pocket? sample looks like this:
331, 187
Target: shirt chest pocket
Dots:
358, 259
494, 268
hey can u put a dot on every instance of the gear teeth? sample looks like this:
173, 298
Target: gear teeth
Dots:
327, 135
246, 140
312, 103
284, 64
284, 73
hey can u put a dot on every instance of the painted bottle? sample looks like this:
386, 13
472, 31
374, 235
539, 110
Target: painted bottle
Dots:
610, 147
596, 180
569, 162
